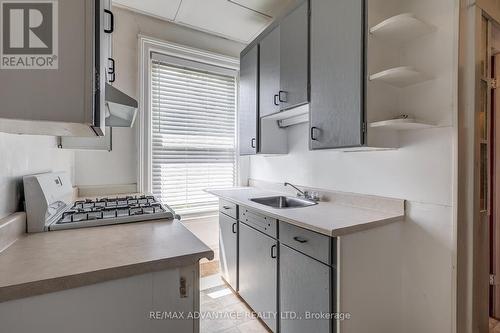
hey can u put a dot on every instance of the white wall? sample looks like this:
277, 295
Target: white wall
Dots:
421, 171
22, 155
120, 165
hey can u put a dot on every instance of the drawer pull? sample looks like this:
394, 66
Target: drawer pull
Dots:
300, 239
226, 207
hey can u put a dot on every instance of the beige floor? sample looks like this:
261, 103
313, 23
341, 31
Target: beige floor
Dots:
230, 315
494, 326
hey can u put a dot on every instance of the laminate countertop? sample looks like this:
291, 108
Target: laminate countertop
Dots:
52, 261
342, 215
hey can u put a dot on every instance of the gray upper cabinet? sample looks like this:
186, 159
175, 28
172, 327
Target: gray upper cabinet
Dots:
294, 62
65, 97
337, 73
248, 110
99, 143
269, 86
258, 272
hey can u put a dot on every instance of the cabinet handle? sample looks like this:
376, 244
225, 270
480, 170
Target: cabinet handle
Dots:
253, 142
111, 70
300, 239
226, 207
111, 23
276, 102
312, 133
233, 227
283, 100
273, 251
183, 288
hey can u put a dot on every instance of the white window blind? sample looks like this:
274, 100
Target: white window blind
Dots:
193, 136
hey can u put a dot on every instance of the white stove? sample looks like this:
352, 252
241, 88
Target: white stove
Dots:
49, 206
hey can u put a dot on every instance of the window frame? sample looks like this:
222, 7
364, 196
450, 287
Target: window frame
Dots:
177, 55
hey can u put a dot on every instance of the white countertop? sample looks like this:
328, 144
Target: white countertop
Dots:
51, 261
328, 218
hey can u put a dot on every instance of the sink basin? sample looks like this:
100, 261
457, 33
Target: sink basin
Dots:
284, 202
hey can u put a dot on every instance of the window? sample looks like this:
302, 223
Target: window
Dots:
193, 135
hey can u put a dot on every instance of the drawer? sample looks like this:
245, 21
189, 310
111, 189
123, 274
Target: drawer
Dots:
228, 208
265, 224
311, 243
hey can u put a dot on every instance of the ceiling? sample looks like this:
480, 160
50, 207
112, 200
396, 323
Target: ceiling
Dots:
239, 20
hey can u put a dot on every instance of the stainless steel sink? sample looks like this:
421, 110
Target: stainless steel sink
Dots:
284, 202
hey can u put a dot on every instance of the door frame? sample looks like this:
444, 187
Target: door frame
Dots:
472, 236
495, 197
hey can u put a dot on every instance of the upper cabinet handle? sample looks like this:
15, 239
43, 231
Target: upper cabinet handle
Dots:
276, 101
253, 142
313, 137
300, 239
273, 251
111, 69
283, 99
111, 23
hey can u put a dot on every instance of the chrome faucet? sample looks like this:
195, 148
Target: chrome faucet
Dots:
314, 196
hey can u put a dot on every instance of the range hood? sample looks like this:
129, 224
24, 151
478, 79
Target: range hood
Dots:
121, 109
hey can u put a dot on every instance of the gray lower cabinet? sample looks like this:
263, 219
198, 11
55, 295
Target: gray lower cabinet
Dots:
337, 73
248, 111
258, 273
294, 57
228, 249
305, 288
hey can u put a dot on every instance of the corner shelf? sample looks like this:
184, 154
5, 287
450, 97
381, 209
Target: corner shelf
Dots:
401, 28
400, 76
401, 124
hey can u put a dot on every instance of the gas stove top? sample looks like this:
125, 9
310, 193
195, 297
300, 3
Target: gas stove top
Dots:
105, 211
49, 206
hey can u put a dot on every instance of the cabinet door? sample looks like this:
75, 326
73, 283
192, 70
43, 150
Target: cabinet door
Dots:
294, 74
337, 73
305, 286
248, 111
258, 272
66, 94
110, 61
269, 68
228, 249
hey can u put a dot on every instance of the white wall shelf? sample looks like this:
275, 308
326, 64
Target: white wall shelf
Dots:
401, 28
402, 124
400, 76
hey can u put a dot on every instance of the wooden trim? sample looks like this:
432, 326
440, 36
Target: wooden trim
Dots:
491, 8
466, 167
472, 308
495, 250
